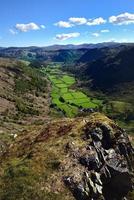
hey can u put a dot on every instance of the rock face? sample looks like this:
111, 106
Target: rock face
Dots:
102, 167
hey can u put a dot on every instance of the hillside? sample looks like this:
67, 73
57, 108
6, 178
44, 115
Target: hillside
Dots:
112, 70
69, 159
23, 92
101, 53
108, 74
107, 67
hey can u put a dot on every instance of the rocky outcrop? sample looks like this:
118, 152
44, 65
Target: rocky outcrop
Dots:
102, 167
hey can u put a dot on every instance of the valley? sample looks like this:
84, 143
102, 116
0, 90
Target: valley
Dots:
67, 100
64, 98
55, 140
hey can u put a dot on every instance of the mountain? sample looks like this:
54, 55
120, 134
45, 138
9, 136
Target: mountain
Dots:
98, 53
112, 68
106, 67
51, 53
81, 46
35, 53
59, 53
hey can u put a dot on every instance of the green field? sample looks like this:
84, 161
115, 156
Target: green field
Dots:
65, 99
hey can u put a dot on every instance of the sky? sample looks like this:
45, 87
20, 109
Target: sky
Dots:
48, 22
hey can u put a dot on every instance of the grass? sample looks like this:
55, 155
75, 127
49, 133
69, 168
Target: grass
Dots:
79, 95
19, 181
55, 90
55, 81
122, 112
88, 105
62, 85
54, 95
56, 101
69, 111
68, 79
63, 97
64, 90
68, 96
119, 109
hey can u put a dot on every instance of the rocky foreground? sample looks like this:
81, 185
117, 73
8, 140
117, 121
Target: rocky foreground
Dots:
83, 159
102, 167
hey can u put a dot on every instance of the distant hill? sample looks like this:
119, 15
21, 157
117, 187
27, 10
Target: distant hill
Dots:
100, 53
112, 67
58, 53
81, 46
35, 53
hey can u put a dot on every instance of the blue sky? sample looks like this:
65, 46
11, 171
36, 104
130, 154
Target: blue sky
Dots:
47, 22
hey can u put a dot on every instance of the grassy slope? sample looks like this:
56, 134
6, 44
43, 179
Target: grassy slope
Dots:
24, 97
32, 167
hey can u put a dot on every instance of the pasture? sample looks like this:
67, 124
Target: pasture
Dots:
64, 98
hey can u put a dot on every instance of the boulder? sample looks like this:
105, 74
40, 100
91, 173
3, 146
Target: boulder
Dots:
103, 167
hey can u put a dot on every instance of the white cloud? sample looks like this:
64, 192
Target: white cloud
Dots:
73, 21
13, 32
122, 19
27, 27
66, 36
97, 21
78, 20
96, 34
43, 26
105, 31
63, 24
